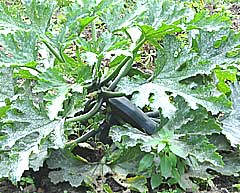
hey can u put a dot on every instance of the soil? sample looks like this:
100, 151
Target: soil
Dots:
42, 184
235, 10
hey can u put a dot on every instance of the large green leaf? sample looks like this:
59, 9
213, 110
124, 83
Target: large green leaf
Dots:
39, 13
72, 169
57, 89
231, 164
204, 151
35, 14
6, 84
10, 19
176, 63
168, 17
231, 124
127, 160
192, 124
68, 167
202, 20
6, 89
164, 17
18, 48
214, 47
118, 17
23, 132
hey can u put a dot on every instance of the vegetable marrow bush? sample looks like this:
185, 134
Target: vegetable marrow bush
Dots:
72, 75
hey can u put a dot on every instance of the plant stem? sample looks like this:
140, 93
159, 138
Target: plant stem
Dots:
125, 69
153, 114
83, 138
123, 62
115, 72
94, 34
30, 67
110, 94
53, 51
87, 115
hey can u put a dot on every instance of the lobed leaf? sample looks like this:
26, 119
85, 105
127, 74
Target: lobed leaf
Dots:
231, 123
57, 88
6, 84
192, 124
73, 170
23, 132
18, 48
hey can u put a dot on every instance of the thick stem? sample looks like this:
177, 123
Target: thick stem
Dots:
110, 94
87, 115
115, 72
153, 114
125, 69
123, 62
83, 138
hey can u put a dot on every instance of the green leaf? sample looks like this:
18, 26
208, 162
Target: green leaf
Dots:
176, 174
89, 6
18, 48
223, 76
34, 14
187, 121
39, 13
209, 23
163, 17
146, 162
127, 161
128, 16
156, 180
231, 164
6, 84
176, 63
70, 168
107, 188
213, 48
168, 12
179, 149
143, 92
138, 183
10, 19
57, 88
204, 151
160, 147
166, 166
231, 123
23, 132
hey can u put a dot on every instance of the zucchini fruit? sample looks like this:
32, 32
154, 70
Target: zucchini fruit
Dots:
123, 108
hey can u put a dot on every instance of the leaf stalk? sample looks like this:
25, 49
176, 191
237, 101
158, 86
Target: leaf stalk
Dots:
87, 115
53, 51
123, 62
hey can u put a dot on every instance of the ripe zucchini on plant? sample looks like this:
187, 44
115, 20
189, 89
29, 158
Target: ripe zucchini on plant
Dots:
131, 114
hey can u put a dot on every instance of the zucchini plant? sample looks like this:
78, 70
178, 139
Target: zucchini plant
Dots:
72, 75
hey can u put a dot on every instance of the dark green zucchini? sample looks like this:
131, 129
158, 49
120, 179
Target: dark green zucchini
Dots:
131, 114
